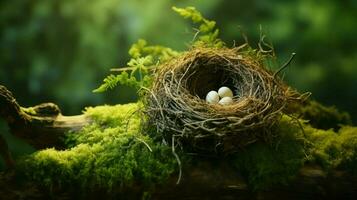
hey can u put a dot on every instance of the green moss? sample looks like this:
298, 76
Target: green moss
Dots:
334, 150
111, 152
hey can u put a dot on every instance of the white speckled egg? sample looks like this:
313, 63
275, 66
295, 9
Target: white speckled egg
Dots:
225, 92
226, 101
212, 97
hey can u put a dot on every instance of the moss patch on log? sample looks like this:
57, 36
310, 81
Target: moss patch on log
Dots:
333, 150
109, 153
298, 143
113, 152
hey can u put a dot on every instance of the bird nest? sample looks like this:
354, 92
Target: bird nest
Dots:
176, 103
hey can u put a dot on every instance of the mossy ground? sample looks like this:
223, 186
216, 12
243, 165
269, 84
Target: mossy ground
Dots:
114, 152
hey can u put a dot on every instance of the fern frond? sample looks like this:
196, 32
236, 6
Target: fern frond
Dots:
145, 57
112, 81
158, 53
207, 28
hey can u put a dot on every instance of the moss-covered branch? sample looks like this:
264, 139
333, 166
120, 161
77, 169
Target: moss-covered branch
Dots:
106, 152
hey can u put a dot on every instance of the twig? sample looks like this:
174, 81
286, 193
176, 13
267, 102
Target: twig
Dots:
127, 69
146, 144
178, 160
285, 65
121, 69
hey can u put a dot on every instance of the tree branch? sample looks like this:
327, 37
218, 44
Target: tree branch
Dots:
44, 125
41, 126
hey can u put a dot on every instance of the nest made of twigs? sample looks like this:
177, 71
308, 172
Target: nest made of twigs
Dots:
176, 103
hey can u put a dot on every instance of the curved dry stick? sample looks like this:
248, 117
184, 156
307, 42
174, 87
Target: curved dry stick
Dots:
285, 65
42, 126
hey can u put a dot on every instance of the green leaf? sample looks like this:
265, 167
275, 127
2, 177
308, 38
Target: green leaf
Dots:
189, 12
112, 81
207, 28
145, 57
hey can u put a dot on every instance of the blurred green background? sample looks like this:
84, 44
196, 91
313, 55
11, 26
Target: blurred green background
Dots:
60, 50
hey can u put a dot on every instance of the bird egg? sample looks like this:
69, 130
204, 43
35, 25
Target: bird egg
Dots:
226, 101
212, 97
225, 92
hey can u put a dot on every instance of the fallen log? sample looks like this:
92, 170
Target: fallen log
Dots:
44, 126
202, 182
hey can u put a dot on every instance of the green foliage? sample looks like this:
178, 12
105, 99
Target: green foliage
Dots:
138, 66
157, 52
144, 59
207, 28
109, 153
112, 81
